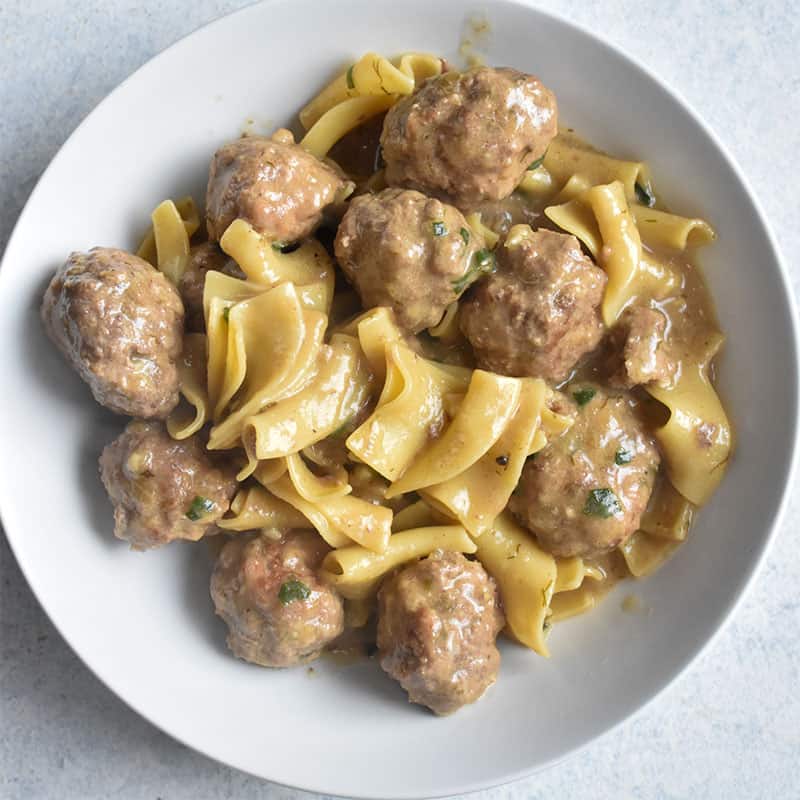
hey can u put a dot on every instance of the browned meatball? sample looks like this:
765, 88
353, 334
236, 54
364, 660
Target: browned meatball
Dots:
119, 322
273, 184
163, 489
639, 352
585, 492
203, 257
409, 252
437, 624
470, 137
539, 312
277, 610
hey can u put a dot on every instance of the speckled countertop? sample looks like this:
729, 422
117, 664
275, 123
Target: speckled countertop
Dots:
728, 729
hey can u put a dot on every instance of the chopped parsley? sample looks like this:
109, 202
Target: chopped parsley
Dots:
293, 590
644, 194
623, 457
349, 78
199, 508
502, 461
439, 228
536, 164
483, 263
602, 503
465, 236
583, 396
226, 313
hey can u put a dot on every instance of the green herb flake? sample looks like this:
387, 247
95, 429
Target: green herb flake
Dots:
623, 457
278, 246
199, 508
465, 236
483, 263
644, 194
439, 228
602, 503
350, 82
226, 313
583, 396
293, 590
536, 164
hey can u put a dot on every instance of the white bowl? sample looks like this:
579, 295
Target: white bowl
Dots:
144, 622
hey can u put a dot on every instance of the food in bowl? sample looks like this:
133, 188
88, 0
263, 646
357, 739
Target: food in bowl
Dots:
434, 370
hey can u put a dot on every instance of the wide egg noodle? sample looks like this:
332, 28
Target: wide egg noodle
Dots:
254, 508
356, 571
340, 388
476, 496
409, 407
490, 402
525, 576
190, 218
193, 411
340, 519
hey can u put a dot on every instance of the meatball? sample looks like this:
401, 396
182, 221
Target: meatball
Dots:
585, 492
203, 257
273, 184
539, 312
470, 137
119, 322
639, 354
163, 489
437, 624
409, 252
277, 610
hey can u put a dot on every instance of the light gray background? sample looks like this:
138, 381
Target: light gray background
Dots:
728, 729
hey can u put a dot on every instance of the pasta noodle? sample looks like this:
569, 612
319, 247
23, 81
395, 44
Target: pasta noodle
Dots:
355, 571
489, 404
660, 229
190, 416
338, 391
410, 405
255, 508
526, 578
476, 496
191, 222
172, 241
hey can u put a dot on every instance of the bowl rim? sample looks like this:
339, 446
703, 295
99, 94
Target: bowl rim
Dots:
771, 526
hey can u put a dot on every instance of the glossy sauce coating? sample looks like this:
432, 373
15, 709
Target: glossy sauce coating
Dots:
163, 489
119, 322
278, 612
437, 624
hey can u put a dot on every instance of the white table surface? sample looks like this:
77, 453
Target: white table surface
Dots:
730, 728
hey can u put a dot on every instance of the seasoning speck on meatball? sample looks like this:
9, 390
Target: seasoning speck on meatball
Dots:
277, 610
469, 138
438, 621
409, 252
119, 322
163, 489
273, 184
538, 314
585, 492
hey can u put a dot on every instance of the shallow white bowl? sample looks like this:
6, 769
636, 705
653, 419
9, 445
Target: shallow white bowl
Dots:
144, 623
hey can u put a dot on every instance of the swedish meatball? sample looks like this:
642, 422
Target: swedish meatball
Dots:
163, 489
539, 312
277, 610
437, 625
202, 258
639, 351
409, 252
119, 322
273, 184
470, 137
585, 492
